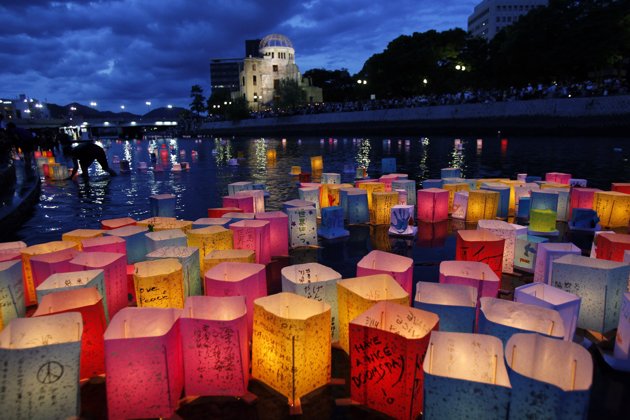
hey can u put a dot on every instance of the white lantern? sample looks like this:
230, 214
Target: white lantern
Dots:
507, 231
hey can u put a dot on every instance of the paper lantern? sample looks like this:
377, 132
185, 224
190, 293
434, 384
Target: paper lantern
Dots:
135, 239
11, 292
525, 251
166, 223
388, 165
470, 273
452, 189
235, 187
622, 339
433, 205
44, 265
215, 346
503, 318
544, 200
387, 180
296, 203
302, 226
214, 258
600, 284
314, 281
254, 235
62, 282
409, 186
11, 246
623, 187
584, 220
78, 235
115, 276
387, 345
258, 197
460, 205
503, 207
523, 208
27, 273
563, 203
317, 164
507, 231
613, 208
558, 177
271, 155
371, 188
612, 246
10, 255
171, 237
188, 257
481, 246
159, 283
401, 221
278, 231
211, 221
220, 211
450, 173
454, 304
380, 214
40, 372
357, 295
143, 363
291, 345
162, 205
582, 198
334, 193
549, 377
105, 244
332, 223
243, 202
397, 266
542, 222
331, 178
432, 183
465, 377
482, 204
209, 239
311, 194
354, 201
546, 254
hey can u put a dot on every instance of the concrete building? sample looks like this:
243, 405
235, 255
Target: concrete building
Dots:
23, 108
224, 74
490, 16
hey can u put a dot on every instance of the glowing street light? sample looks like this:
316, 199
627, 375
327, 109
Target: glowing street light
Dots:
362, 82
169, 106
148, 103
425, 81
122, 107
93, 103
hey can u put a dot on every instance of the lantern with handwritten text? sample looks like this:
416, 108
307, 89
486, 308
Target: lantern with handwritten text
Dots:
11, 292
79, 235
380, 214
311, 194
162, 205
143, 363
433, 204
62, 282
188, 257
44, 265
159, 283
507, 231
371, 188
548, 252
482, 204
479, 275
397, 266
302, 227
105, 244
454, 304
278, 231
214, 258
170, 237
332, 226
254, 235
480, 246
135, 239
209, 239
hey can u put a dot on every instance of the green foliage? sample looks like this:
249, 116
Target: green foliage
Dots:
289, 94
237, 110
198, 104
337, 85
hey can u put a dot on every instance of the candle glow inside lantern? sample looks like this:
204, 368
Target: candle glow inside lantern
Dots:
291, 345
159, 283
243, 202
210, 239
278, 231
433, 205
454, 304
558, 177
40, 357
565, 303
582, 198
503, 206
482, 204
452, 189
546, 254
72, 280
561, 371
136, 241
311, 194
357, 295
89, 303
235, 187
105, 244
79, 235
382, 201
44, 265
371, 188
471, 273
215, 346
332, 223
302, 226
613, 208
503, 318
254, 235
407, 185
611, 246
143, 363
27, 271
162, 205
460, 205
480, 246
401, 221
465, 377
507, 231
600, 284
397, 337
317, 164
188, 257
111, 224
160, 239
214, 258
622, 340
397, 266
355, 204
314, 281
220, 211
526, 249
258, 197
11, 292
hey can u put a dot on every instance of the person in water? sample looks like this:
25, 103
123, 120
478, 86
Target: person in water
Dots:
84, 154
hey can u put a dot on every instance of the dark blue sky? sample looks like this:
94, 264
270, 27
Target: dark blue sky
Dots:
130, 51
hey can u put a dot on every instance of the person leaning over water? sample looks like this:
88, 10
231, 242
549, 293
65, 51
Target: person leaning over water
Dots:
84, 154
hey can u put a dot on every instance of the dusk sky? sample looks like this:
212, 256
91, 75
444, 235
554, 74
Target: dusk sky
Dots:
128, 52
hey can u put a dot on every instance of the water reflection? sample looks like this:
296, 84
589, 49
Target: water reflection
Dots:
457, 156
423, 168
222, 151
363, 154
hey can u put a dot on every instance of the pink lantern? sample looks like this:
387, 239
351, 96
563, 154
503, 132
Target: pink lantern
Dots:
397, 266
582, 198
278, 231
215, 346
79, 235
258, 199
111, 224
44, 265
143, 363
558, 177
105, 244
253, 234
432, 205
480, 246
470, 273
245, 203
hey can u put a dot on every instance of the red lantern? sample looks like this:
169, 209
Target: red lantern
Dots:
582, 198
220, 211
245, 203
480, 246
623, 187
610, 246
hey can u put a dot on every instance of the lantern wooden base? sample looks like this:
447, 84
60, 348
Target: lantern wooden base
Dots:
295, 407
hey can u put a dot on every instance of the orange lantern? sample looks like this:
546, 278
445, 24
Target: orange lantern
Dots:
480, 246
482, 204
382, 203
613, 208
371, 188
159, 283
78, 235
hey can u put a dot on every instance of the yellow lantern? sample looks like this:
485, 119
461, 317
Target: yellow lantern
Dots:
216, 257
209, 239
381, 213
271, 155
452, 189
371, 187
159, 283
79, 235
296, 170
334, 198
613, 208
317, 163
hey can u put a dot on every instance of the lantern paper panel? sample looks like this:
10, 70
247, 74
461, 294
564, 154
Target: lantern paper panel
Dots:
162, 205
105, 244
214, 258
409, 186
355, 205
291, 345
480, 246
371, 188
546, 254
331, 178
613, 208
302, 226
450, 173
258, 197
433, 204
215, 346
623, 187
136, 241
503, 205
622, 340
612, 246
188, 257
454, 304
44, 265
471, 273
254, 235
311, 194
401, 221
523, 208
544, 200
11, 292
397, 266
317, 164
314, 281
357, 295
382, 201
482, 204
278, 231
143, 363
600, 284
159, 283
79, 235
465, 377
220, 211
513, 185
387, 345
89, 303
550, 378
460, 205
166, 223
542, 221
210, 239
525, 252
563, 209
559, 177
332, 223
235, 187
582, 198
171, 237
507, 231
211, 221
452, 189
296, 203
243, 202
40, 378
111, 224
10, 255
334, 193
11, 246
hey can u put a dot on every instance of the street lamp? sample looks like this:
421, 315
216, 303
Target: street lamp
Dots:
362, 82
93, 104
122, 107
425, 81
169, 106
148, 104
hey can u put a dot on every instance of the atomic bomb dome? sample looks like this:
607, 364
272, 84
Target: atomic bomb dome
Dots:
275, 40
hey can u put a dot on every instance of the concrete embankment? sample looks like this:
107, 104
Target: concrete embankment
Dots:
608, 115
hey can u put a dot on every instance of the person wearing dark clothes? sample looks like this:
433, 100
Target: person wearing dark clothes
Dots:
84, 154
22, 139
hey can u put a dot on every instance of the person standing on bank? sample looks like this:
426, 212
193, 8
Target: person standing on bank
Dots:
84, 154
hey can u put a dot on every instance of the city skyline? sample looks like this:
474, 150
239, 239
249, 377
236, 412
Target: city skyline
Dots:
127, 53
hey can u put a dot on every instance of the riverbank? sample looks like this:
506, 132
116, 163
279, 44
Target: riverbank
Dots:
605, 115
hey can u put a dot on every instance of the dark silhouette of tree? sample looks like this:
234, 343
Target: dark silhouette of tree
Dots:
198, 104
289, 94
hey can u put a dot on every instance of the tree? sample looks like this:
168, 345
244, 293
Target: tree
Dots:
237, 110
289, 94
337, 85
198, 104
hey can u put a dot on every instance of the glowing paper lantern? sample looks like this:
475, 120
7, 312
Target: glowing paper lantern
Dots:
542, 222
460, 205
105, 244
503, 207
278, 231
11, 292
395, 336
582, 198
525, 251
215, 346
622, 340
357, 295
311, 194
317, 164
135, 239
166, 223
78, 235
433, 204
507, 231
72, 280
452, 189
546, 254
560, 372
40, 372
159, 283
291, 345
254, 235
612, 246
623, 187
332, 223
544, 200
407, 185
110, 224
397, 266
450, 173
465, 377
211, 221
432, 183
454, 304
503, 318
355, 204
314, 281
469, 273
302, 226
334, 195
401, 221
371, 188
209, 239
115, 273
331, 178
214, 258
243, 202
600, 284
558, 177
143, 363
480, 246
271, 155
296, 203
258, 197
27, 253
44, 265
235, 187
188, 257
162, 205
613, 208
482, 204
296, 170
380, 214
220, 211
584, 220
171, 237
